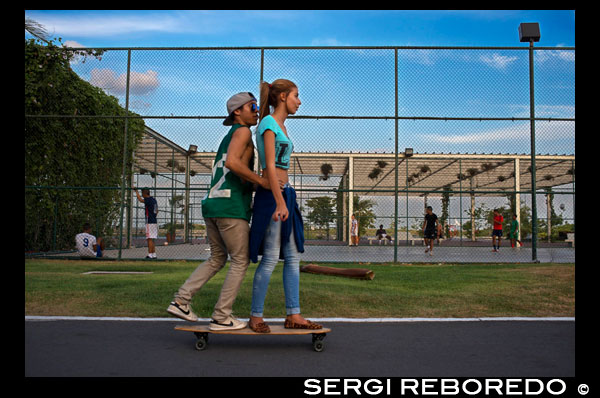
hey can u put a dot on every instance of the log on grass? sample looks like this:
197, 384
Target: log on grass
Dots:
359, 273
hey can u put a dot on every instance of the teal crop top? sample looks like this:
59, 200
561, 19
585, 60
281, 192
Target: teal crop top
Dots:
283, 145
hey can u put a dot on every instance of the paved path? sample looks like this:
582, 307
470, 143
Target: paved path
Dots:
405, 349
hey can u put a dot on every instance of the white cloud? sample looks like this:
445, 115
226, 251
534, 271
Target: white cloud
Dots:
73, 43
519, 131
96, 24
139, 83
497, 61
423, 57
563, 55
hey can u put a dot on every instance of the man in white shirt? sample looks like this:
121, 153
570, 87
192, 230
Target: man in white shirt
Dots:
87, 244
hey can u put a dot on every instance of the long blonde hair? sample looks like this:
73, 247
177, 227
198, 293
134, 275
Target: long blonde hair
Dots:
269, 94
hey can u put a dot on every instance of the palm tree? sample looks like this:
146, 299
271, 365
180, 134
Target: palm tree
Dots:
363, 211
36, 29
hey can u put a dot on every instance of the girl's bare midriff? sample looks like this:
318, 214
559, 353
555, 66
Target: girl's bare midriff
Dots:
281, 174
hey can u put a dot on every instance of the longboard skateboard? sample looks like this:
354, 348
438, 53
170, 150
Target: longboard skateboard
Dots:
202, 331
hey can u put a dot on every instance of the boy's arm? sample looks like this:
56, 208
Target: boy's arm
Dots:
235, 153
138, 195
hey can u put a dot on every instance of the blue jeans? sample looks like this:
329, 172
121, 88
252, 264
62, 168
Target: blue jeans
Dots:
291, 271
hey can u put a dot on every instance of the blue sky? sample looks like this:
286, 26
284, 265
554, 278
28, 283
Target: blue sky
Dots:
491, 83
169, 28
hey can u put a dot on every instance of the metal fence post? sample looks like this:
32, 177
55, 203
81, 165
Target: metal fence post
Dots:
396, 158
55, 223
262, 67
532, 130
350, 196
517, 171
186, 219
124, 181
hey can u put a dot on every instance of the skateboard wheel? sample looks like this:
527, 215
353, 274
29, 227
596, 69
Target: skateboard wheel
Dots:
318, 345
201, 344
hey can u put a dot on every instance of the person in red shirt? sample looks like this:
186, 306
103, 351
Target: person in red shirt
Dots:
497, 231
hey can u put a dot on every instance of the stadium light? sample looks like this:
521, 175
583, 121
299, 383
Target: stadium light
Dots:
529, 31
408, 152
193, 149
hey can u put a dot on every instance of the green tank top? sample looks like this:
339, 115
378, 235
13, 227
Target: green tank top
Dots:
229, 196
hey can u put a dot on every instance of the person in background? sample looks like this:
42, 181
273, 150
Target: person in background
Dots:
87, 244
151, 210
354, 231
497, 231
513, 235
381, 234
430, 228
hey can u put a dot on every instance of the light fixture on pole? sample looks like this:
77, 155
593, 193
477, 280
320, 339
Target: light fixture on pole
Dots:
193, 149
529, 31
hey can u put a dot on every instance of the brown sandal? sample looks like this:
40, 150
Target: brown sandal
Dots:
310, 325
260, 327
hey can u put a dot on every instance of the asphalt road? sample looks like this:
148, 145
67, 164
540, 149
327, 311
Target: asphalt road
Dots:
405, 349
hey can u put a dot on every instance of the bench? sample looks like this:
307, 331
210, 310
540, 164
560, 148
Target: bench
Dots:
385, 240
570, 239
403, 237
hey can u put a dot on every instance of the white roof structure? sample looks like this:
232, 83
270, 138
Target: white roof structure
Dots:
374, 173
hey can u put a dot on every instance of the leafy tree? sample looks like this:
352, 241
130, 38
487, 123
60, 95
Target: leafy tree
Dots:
555, 219
63, 151
480, 213
363, 211
445, 204
322, 211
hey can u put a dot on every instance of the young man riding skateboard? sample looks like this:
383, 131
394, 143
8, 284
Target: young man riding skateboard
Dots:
226, 211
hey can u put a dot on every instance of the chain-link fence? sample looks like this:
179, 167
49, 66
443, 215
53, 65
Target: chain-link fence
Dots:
382, 133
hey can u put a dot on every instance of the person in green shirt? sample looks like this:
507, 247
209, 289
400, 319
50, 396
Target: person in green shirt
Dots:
513, 235
226, 210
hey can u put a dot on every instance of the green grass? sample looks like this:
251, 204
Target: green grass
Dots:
57, 287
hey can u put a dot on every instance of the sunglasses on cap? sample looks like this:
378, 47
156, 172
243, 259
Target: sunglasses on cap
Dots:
253, 107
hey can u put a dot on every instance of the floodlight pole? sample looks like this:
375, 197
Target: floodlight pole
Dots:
532, 130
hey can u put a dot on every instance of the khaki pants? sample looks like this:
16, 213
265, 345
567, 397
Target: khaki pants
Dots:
225, 236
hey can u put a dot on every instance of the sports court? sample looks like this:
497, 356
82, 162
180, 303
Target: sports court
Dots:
365, 254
